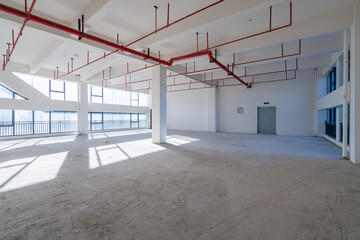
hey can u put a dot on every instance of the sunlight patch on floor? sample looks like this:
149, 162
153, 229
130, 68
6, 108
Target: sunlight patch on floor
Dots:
56, 140
139, 148
32, 171
105, 155
98, 135
178, 140
23, 143
113, 153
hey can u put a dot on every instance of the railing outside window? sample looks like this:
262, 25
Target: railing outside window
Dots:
330, 129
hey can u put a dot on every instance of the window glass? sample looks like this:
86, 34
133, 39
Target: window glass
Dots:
63, 122
96, 91
71, 91
126, 120
143, 100
134, 120
57, 85
41, 84
5, 117
108, 96
331, 81
5, 93
23, 122
41, 122
6, 123
97, 99
56, 96
134, 99
89, 94
142, 120
96, 121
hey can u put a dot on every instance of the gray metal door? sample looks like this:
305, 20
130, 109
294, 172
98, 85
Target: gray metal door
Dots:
267, 120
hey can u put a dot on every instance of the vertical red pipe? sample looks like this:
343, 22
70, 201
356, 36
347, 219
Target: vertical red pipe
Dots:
207, 40
197, 41
270, 25
168, 14
155, 18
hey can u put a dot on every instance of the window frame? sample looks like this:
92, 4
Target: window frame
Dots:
56, 91
331, 81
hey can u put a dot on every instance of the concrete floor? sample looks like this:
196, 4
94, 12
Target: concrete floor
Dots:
197, 186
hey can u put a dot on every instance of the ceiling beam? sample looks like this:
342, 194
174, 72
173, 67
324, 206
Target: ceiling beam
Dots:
54, 50
93, 12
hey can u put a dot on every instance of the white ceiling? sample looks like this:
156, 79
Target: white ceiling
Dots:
132, 19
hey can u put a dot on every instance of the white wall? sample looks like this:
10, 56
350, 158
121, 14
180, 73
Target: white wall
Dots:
187, 110
293, 100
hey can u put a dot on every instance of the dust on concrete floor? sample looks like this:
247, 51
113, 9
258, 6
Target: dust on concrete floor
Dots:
197, 186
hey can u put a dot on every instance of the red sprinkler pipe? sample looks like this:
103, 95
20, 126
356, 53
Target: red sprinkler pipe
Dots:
245, 63
72, 31
212, 79
203, 52
214, 60
170, 24
81, 34
215, 68
157, 30
27, 17
169, 87
260, 33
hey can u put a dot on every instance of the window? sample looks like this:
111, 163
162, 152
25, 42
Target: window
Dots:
7, 93
331, 119
143, 100
57, 90
331, 81
114, 96
41, 84
41, 122
6, 122
134, 120
134, 99
63, 121
106, 121
96, 121
142, 120
96, 94
24, 122
54, 89
71, 91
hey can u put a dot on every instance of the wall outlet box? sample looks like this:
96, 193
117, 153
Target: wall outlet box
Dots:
240, 110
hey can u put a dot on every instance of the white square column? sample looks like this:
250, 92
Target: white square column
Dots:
212, 111
355, 87
158, 104
83, 108
337, 120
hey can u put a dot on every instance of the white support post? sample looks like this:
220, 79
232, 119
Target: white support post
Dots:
212, 101
337, 118
83, 108
355, 87
345, 96
315, 102
159, 104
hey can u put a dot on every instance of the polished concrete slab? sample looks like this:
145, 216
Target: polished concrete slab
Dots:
118, 185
